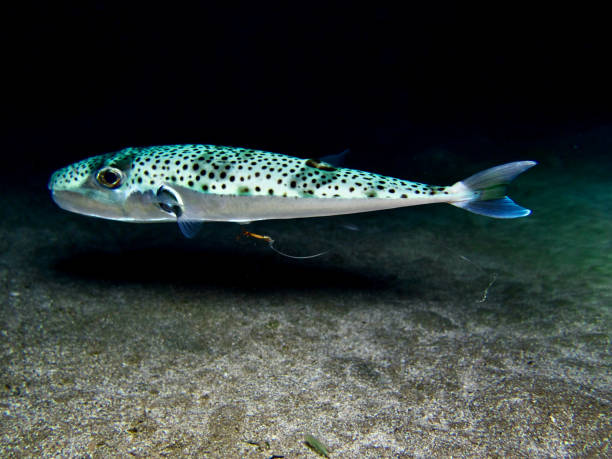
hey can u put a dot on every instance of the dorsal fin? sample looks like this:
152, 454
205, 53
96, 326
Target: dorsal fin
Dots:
336, 160
315, 163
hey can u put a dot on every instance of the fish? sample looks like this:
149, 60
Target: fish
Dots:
191, 184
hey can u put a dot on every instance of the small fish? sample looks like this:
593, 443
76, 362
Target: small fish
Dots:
316, 445
190, 184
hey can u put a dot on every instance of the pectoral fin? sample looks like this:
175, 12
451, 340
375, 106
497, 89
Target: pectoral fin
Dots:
169, 201
189, 228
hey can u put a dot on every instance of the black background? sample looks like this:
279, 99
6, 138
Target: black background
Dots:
91, 77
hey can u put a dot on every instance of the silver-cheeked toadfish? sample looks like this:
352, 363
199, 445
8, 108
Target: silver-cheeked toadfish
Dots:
190, 184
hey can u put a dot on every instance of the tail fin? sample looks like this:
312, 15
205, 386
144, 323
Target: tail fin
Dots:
485, 191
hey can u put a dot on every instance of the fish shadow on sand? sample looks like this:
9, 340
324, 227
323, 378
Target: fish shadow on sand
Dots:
216, 268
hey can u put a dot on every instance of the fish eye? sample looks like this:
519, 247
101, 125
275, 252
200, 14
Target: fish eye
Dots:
109, 177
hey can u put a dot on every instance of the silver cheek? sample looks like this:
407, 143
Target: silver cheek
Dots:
137, 207
86, 204
144, 207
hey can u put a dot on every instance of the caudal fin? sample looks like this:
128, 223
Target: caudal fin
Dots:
484, 193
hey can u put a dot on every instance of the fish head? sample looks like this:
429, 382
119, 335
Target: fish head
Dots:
106, 186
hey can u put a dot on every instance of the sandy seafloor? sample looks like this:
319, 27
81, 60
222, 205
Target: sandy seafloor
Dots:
428, 332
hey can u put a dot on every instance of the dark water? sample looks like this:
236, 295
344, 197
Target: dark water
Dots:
425, 331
